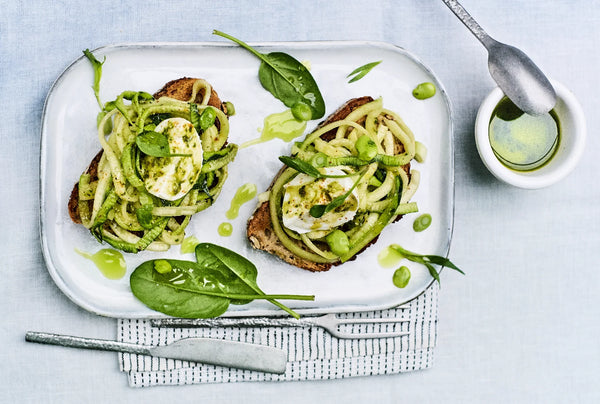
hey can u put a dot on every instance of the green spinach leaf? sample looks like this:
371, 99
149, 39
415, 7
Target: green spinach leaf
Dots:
286, 78
182, 292
204, 288
239, 272
155, 144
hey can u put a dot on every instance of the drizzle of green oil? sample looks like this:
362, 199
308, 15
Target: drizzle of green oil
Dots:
244, 194
389, 258
189, 244
225, 229
110, 262
282, 125
520, 141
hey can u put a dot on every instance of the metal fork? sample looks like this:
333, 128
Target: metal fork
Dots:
330, 322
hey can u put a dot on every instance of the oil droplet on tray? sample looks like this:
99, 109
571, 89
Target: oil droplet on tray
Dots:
110, 262
389, 257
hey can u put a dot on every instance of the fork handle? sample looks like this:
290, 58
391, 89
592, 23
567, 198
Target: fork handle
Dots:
231, 322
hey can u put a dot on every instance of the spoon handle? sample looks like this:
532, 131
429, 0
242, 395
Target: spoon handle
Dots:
469, 22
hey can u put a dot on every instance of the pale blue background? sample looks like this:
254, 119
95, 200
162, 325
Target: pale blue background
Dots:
522, 326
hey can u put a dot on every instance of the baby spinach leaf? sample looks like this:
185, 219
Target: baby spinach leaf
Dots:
201, 289
362, 71
155, 144
239, 272
286, 78
179, 292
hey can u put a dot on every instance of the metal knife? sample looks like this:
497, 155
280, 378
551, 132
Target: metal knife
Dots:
233, 354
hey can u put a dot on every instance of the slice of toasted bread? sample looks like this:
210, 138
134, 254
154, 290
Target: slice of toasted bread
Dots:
260, 231
180, 89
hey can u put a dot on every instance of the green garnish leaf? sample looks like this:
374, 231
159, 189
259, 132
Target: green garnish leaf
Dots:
427, 260
286, 78
301, 166
155, 144
308, 168
362, 71
319, 210
97, 66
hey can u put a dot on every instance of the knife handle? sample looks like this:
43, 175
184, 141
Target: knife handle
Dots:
85, 343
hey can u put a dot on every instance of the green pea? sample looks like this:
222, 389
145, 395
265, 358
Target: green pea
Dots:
230, 108
319, 160
401, 277
207, 118
366, 148
422, 222
338, 242
162, 266
424, 91
301, 112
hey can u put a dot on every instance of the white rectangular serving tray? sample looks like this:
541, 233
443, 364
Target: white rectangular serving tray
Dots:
69, 142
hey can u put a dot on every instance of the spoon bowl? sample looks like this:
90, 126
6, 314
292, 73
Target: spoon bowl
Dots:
520, 79
514, 72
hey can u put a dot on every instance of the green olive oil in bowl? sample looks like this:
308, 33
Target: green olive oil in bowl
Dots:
520, 141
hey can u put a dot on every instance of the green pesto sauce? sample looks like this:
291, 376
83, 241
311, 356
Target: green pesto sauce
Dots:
389, 258
520, 141
225, 229
282, 126
110, 262
244, 194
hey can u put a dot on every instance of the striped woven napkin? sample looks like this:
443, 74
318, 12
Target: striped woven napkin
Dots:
313, 354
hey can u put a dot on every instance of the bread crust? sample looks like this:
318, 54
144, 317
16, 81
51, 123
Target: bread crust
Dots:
259, 229
180, 89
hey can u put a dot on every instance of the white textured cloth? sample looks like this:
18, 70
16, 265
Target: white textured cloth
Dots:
313, 354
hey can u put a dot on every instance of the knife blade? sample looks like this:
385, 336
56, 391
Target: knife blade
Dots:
233, 354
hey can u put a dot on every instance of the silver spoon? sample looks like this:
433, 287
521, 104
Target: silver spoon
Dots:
516, 75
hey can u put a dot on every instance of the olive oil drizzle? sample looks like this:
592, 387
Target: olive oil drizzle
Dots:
110, 262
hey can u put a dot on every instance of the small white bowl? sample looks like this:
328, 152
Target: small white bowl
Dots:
570, 147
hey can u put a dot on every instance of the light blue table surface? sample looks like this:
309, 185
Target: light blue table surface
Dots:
521, 326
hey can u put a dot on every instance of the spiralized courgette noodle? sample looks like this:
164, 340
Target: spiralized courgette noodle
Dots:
384, 189
109, 205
